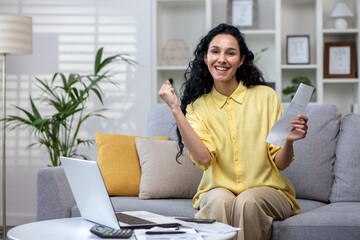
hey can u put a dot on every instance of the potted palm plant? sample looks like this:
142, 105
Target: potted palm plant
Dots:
66, 98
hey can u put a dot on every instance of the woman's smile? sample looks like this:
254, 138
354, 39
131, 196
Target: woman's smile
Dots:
222, 69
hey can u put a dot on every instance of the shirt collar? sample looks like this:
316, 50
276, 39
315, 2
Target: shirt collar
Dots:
238, 95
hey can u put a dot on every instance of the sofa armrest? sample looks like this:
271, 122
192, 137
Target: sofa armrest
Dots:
54, 196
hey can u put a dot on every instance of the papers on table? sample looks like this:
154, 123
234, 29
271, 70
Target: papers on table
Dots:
282, 127
215, 227
193, 231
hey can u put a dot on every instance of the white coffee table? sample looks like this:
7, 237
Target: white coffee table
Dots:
72, 229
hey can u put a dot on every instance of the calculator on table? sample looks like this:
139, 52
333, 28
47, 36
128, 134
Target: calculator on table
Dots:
107, 232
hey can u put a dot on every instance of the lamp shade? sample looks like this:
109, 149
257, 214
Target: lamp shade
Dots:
341, 10
15, 34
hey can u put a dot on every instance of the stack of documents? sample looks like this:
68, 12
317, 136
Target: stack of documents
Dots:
190, 230
215, 227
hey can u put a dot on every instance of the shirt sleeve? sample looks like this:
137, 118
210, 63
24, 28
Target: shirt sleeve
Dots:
202, 131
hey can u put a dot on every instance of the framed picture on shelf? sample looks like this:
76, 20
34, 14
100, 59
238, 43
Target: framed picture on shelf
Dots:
340, 60
242, 13
298, 49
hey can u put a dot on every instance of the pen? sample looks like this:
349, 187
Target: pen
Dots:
164, 232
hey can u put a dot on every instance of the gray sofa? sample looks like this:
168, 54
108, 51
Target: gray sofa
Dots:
325, 174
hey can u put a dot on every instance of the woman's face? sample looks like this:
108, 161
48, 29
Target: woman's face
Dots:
223, 58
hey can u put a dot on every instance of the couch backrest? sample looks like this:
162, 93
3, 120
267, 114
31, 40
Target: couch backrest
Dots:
311, 172
161, 122
347, 165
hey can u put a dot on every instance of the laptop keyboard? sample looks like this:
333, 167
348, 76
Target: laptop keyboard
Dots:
131, 219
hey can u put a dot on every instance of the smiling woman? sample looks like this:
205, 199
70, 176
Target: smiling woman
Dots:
223, 118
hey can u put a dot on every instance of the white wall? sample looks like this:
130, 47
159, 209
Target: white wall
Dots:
67, 34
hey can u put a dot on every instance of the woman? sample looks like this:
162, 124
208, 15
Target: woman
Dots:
225, 115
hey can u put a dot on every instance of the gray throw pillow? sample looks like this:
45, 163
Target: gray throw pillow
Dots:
161, 175
311, 172
347, 165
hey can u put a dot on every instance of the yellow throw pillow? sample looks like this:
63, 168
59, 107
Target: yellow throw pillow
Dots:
119, 163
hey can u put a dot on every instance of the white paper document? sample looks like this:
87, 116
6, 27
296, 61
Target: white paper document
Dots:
193, 231
216, 227
282, 127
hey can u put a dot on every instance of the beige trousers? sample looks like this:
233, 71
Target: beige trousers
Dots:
253, 210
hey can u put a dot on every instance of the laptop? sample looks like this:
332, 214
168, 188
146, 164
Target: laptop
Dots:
94, 203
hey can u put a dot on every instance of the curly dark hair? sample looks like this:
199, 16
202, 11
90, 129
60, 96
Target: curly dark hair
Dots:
198, 80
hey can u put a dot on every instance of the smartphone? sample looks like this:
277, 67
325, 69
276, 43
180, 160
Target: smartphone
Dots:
197, 220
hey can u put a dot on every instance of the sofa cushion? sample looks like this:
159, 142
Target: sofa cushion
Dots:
166, 207
311, 172
54, 196
332, 222
308, 205
161, 122
347, 165
161, 175
119, 163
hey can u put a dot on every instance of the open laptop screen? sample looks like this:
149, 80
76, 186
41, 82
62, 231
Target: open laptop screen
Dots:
94, 203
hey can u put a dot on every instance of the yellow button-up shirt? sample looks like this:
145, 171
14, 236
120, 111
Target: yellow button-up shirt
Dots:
234, 130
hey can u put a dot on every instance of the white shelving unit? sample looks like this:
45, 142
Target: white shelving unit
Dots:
342, 92
276, 20
298, 18
265, 38
308, 17
174, 22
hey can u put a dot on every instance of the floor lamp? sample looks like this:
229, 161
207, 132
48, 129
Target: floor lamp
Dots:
15, 37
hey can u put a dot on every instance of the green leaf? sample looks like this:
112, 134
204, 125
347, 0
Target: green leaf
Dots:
289, 90
34, 109
16, 122
301, 79
106, 62
98, 60
28, 114
296, 81
87, 142
44, 86
63, 78
97, 92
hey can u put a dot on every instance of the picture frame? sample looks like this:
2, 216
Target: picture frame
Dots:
242, 13
340, 60
298, 49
